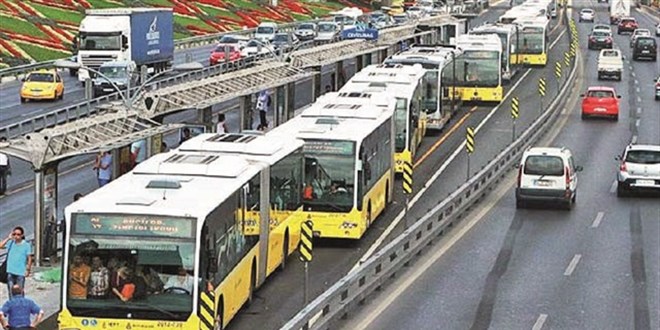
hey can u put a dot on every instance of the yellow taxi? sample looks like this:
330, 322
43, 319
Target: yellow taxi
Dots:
42, 84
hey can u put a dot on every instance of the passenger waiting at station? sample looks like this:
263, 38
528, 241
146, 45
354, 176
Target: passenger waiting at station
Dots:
99, 280
78, 278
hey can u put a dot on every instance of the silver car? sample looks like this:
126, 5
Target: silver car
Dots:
639, 169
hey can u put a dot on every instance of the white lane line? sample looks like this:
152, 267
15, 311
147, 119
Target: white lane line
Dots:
540, 321
639, 111
636, 81
637, 90
631, 67
633, 140
571, 266
613, 187
639, 99
637, 122
633, 74
599, 218
442, 168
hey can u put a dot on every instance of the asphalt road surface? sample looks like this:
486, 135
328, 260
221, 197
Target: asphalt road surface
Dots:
594, 267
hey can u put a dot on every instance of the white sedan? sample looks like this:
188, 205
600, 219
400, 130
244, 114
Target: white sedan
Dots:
587, 15
657, 30
256, 47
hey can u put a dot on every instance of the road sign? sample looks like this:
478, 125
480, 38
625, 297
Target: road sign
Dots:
469, 140
360, 32
558, 70
542, 86
306, 241
407, 177
515, 110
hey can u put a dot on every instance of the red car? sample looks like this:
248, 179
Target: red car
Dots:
627, 24
218, 54
600, 102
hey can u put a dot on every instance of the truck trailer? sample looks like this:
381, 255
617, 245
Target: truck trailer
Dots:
619, 9
144, 36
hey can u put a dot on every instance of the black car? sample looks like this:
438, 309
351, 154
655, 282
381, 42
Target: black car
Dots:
600, 40
645, 47
284, 40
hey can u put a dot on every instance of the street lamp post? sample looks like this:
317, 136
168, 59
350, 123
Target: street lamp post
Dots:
127, 99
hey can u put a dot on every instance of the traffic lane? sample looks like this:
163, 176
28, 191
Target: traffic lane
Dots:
489, 140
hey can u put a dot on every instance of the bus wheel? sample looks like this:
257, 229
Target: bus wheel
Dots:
218, 317
369, 215
387, 194
285, 250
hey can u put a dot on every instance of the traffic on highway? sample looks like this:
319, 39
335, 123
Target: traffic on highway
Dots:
209, 231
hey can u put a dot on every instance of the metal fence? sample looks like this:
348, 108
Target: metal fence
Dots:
355, 287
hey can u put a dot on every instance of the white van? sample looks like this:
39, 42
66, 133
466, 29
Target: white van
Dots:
547, 174
266, 31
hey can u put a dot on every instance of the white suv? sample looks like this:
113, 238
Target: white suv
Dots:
547, 174
639, 169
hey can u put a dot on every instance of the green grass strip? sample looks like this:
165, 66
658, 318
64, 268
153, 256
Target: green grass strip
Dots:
100, 4
3, 7
57, 14
179, 35
300, 17
21, 27
40, 53
194, 21
244, 4
159, 3
213, 11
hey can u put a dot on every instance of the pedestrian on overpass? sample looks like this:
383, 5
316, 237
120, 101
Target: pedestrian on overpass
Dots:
19, 258
5, 169
19, 310
263, 105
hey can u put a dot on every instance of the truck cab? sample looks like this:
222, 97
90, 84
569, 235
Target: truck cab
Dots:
266, 31
120, 73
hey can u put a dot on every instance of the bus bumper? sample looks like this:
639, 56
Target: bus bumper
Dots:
482, 94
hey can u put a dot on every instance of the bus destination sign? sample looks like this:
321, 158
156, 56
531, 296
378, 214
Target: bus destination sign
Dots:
133, 225
328, 147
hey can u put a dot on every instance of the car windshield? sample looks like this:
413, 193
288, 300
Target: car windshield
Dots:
642, 33
306, 27
113, 71
41, 77
228, 40
254, 43
602, 27
601, 94
600, 34
281, 38
627, 21
327, 27
221, 48
587, 11
646, 41
544, 165
265, 30
643, 157
610, 53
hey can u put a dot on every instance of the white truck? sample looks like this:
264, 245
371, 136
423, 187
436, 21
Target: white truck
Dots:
619, 9
610, 64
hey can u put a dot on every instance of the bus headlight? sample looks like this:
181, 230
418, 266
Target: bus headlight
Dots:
250, 223
348, 225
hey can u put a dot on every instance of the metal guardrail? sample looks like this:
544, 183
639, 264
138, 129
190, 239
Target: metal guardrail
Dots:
354, 288
15, 71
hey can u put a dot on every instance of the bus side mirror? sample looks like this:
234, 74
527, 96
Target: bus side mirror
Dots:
124, 42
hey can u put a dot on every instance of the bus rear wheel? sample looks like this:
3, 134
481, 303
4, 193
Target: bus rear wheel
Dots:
218, 317
253, 280
285, 250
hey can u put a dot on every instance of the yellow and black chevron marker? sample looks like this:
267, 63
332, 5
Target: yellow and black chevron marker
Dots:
206, 310
469, 140
407, 177
515, 110
573, 50
558, 70
542, 86
306, 240
567, 59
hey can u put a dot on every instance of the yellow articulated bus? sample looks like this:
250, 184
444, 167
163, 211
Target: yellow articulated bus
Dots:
410, 86
167, 245
478, 68
508, 34
284, 158
534, 40
349, 161
439, 104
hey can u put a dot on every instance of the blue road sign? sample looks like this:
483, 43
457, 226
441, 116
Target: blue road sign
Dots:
361, 31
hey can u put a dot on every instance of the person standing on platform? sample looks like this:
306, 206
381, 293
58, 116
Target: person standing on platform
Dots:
19, 258
263, 105
221, 126
19, 310
5, 169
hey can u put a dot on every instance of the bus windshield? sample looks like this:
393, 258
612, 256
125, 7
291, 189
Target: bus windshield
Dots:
400, 122
134, 266
504, 41
479, 68
431, 90
330, 172
532, 41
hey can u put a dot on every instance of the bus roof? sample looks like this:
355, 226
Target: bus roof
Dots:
494, 28
334, 119
397, 80
479, 42
425, 54
253, 147
169, 184
541, 21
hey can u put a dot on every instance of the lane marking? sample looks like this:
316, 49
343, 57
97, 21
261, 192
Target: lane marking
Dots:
633, 74
633, 140
442, 168
452, 238
637, 122
599, 218
636, 81
540, 321
444, 137
638, 90
613, 187
639, 111
572, 265
639, 99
